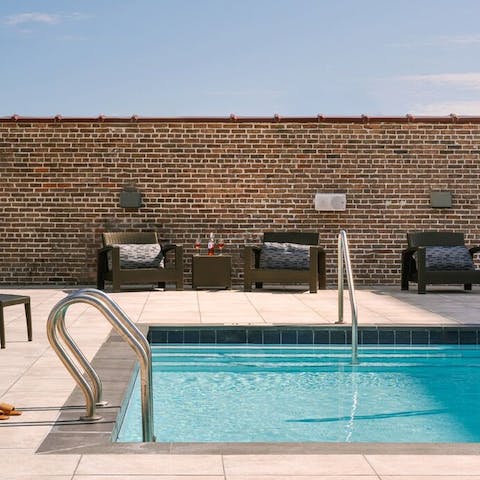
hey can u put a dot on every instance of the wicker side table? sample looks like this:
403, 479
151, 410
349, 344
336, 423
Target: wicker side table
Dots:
213, 271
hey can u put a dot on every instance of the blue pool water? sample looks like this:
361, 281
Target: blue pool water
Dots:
312, 394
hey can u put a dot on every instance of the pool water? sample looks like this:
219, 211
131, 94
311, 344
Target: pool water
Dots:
313, 394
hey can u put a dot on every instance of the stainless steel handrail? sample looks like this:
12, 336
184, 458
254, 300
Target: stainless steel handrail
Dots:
344, 259
129, 332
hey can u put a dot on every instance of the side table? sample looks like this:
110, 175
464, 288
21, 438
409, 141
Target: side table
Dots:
212, 271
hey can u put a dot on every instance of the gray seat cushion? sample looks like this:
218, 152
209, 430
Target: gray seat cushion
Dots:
291, 256
448, 258
139, 255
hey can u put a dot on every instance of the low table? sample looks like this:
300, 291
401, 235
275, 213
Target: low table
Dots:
6, 301
212, 271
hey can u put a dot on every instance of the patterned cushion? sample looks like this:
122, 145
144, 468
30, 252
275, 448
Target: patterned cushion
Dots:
285, 255
448, 258
139, 255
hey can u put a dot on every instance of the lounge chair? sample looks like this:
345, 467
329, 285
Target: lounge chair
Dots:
129, 257
285, 257
438, 258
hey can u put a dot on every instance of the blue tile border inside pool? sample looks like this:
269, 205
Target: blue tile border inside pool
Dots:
315, 335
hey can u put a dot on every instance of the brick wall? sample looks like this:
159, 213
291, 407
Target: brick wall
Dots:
61, 180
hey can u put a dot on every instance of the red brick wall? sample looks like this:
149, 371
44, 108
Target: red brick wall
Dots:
61, 180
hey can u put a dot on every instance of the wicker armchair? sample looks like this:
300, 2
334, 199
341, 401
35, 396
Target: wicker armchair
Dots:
314, 275
112, 267
438, 258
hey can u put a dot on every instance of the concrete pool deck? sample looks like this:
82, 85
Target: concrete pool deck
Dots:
32, 377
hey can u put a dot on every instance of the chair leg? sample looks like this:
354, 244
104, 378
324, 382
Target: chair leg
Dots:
100, 273
422, 287
322, 271
28, 316
467, 286
404, 278
247, 286
322, 281
2, 328
100, 283
116, 284
314, 277
404, 281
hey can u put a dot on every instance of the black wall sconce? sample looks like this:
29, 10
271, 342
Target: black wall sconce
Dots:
441, 199
130, 197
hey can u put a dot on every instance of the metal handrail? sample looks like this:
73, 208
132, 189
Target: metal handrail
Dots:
129, 332
344, 259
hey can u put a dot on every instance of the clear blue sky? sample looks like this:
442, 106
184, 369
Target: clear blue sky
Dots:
249, 57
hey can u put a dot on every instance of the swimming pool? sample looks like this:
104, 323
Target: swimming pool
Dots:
242, 393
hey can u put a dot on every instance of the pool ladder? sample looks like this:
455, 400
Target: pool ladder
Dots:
92, 389
344, 261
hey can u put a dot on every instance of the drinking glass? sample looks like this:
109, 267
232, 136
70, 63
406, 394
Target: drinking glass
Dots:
197, 246
221, 244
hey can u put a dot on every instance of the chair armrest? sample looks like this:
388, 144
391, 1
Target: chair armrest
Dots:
409, 251
408, 260
178, 249
166, 247
252, 251
104, 250
102, 266
474, 250
102, 258
316, 253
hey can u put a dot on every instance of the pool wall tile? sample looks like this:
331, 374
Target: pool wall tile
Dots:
305, 337
451, 337
448, 337
289, 337
232, 336
207, 336
337, 337
369, 337
322, 337
318, 335
191, 336
175, 336
420, 337
157, 336
386, 337
468, 337
403, 337
271, 337
255, 336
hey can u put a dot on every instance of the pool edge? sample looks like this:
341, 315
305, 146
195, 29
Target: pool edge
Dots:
116, 365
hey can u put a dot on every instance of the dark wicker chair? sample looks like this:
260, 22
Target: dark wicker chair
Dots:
119, 276
414, 261
315, 275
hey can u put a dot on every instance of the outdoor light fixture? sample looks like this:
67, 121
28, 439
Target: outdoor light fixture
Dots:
441, 199
330, 201
130, 197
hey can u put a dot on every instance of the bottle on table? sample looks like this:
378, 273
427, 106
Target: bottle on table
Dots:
211, 245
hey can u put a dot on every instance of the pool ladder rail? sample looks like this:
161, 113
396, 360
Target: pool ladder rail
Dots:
92, 389
345, 264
